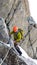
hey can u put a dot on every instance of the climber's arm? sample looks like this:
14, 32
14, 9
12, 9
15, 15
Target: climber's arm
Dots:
11, 32
17, 40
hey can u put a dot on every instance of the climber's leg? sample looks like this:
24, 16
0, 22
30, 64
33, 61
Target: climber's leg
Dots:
18, 49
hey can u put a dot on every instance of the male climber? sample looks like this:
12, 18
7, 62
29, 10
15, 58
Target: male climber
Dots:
18, 35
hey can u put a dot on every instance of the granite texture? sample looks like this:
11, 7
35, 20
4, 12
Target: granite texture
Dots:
19, 10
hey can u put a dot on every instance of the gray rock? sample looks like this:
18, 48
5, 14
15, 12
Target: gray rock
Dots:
18, 17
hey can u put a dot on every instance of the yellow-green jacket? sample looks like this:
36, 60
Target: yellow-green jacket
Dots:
18, 35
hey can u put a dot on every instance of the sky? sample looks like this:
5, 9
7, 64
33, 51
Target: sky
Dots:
33, 9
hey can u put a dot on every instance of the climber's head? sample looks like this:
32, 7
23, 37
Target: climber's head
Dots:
15, 28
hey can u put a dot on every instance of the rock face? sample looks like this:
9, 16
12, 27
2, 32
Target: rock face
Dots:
11, 57
5, 6
19, 11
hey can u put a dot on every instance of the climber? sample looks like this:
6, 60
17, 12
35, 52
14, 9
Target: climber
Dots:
18, 36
